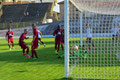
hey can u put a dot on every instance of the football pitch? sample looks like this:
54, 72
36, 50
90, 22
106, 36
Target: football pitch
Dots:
15, 66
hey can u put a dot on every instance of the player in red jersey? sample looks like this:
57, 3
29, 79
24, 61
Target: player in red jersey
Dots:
62, 36
35, 41
22, 44
9, 37
57, 34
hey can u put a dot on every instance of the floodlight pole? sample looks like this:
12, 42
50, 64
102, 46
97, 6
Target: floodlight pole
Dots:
66, 28
81, 17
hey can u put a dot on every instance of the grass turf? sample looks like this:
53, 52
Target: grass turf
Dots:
15, 66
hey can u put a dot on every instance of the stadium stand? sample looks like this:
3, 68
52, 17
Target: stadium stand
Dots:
15, 12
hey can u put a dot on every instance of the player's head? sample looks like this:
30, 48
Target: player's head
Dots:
33, 26
25, 31
62, 26
9, 29
87, 25
58, 27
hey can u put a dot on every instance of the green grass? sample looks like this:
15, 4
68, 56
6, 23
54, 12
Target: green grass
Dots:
15, 66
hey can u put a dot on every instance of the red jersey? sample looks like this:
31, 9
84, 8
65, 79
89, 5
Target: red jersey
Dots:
57, 32
21, 39
9, 35
35, 43
62, 33
58, 38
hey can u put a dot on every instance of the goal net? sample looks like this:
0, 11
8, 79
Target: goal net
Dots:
94, 26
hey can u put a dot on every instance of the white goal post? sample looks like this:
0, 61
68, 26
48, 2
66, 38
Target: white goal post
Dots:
93, 26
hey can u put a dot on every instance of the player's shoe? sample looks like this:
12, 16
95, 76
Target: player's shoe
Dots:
13, 47
24, 54
59, 57
28, 55
36, 57
10, 49
44, 45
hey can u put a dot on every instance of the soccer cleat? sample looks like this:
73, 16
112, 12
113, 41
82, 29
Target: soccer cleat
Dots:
44, 45
24, 54
59, 57
13, 48
28, 55
10, 49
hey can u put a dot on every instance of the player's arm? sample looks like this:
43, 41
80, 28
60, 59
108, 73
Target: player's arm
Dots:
26, 37
12, 34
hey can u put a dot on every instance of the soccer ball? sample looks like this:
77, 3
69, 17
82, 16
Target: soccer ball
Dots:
10, 35
75, 48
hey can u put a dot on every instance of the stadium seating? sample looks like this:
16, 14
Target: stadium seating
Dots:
15, 13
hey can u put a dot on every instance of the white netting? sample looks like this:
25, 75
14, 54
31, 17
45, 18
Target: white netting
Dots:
111, 7
96, 31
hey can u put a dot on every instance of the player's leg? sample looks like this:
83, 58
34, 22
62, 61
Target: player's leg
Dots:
113, 38
116, 37
62, 46
9, 44
92, 44
58, 47
24, 52
88, 42
42, 42
12, 44
34, 52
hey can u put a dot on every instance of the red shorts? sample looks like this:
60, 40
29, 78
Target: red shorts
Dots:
35, 44
57, 40
23, 46
10, 41
62, 41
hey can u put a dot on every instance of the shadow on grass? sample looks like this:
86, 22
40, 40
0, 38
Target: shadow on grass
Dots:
79, 79
46, 56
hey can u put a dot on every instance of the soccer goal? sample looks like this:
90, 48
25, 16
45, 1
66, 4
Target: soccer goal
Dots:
94, 27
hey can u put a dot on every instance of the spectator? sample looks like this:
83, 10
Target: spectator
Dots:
27, 13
